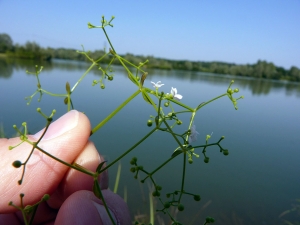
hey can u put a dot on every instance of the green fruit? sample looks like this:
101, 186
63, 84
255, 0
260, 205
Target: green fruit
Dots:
180, 207
197, 198
206, 160
167, 205
149, 123
225, 152
17, 164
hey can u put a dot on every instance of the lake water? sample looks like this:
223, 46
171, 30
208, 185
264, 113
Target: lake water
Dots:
259, 179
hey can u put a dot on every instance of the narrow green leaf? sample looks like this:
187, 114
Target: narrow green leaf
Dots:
177, 152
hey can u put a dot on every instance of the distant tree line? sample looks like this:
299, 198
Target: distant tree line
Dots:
261, 69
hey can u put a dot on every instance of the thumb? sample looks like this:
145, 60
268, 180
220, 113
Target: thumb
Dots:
83, 207
64, 139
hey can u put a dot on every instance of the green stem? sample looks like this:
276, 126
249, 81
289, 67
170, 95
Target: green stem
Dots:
106, 207
158, 168
52, 94
205, 103
129, 150
112, 47
81, 78
65, 163
183, 177
111, 115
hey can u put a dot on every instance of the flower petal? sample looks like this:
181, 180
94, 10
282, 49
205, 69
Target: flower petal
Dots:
157, 85
178, 96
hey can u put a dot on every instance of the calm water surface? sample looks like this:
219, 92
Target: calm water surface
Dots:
253, 185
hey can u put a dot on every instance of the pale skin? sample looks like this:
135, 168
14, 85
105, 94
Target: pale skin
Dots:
71, 198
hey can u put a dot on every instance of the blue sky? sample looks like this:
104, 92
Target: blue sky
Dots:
239, 32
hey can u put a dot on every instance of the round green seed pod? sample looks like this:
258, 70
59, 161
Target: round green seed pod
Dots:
155, 193
17, 164
209, 220
197, 198
179, 122
132, 169
206, 159
102, 86
225, 152
166, 104
236, 90
149, 123
158, 187
180, 207
110, 78
167, 205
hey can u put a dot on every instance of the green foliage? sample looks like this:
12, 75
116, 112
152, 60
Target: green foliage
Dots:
261, 69
6, 43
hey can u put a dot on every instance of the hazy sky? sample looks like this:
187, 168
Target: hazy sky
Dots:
240, 31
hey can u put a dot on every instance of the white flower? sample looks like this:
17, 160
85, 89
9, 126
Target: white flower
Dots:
193, 135
175, 95
157, 85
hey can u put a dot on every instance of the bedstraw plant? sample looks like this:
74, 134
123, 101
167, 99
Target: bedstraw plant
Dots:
164, 120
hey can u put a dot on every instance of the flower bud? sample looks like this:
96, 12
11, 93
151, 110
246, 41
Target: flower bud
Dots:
179, 122
68, 89
94, 82
66, 100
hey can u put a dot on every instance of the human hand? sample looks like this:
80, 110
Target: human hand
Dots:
71, 198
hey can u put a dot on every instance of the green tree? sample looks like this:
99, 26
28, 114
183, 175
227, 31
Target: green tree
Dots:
6, 43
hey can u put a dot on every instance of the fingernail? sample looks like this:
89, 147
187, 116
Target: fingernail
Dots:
60, 126
104, 215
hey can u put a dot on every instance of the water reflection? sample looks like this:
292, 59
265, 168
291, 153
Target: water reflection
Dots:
254, 184
257, 86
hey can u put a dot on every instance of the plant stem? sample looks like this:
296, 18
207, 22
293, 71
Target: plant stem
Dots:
111, 115
129, 150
